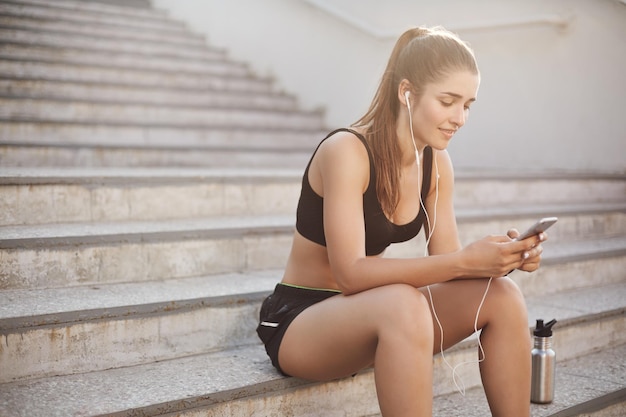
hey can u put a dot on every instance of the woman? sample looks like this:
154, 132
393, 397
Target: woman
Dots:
341, 306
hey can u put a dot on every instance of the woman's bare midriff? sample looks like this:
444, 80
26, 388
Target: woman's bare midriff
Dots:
308, 265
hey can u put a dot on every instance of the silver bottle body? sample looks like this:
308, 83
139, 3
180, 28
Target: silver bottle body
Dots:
543, 370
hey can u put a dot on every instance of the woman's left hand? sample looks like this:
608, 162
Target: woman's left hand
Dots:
531, 263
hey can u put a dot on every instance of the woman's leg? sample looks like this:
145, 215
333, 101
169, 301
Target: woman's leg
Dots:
505, 337
390, 326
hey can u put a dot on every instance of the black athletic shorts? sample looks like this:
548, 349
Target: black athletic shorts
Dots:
278, 311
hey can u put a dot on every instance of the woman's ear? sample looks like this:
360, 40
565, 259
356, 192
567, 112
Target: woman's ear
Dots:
404, 92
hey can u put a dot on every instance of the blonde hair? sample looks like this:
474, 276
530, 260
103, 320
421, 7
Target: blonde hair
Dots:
421, 56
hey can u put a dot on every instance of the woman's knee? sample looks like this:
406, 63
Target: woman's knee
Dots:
405, 310
508, 298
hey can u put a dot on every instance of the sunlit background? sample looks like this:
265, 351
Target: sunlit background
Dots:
553, 87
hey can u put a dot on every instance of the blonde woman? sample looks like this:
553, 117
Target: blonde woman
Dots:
341, 306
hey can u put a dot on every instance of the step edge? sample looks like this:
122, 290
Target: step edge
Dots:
594, 405
27, 22
38, 235
125, 312
181, 305
466, 214
20, 174
243, 71
95, 233
152, 13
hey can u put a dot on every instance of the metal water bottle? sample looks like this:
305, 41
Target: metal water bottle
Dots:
543, 364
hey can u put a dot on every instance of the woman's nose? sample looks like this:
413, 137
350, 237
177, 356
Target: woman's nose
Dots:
459, 116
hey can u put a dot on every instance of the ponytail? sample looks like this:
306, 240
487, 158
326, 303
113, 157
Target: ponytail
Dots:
422, 56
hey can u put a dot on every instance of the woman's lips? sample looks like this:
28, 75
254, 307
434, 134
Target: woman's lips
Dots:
448, 132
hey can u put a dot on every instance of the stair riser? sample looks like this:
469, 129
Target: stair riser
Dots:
114, 199
615, 410
560, 277
98, 341
44, 156
132, 77
91, 74
86, 13
77, 264
90, 30
99, 345
127, 95
218, 65
47, 137
89, 346
27, 262
337, 398
67, 112
540, 191
352, 397
571, 226
105, 45
357, 396
75, 203
583, 338
552, 277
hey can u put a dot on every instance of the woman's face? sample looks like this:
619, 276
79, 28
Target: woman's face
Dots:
443, 108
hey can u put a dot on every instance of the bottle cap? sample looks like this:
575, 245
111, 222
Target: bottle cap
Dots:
544, 330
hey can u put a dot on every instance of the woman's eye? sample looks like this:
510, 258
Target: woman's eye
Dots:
446, 104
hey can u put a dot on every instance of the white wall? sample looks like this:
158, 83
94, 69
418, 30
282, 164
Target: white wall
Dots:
553, 89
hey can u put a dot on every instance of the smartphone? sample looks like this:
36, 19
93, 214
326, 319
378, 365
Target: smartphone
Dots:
541, 226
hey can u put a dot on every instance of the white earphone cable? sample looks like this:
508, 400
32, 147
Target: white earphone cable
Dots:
455, 378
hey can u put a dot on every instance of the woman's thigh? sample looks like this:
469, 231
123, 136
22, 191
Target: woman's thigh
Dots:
456, 306
339, 336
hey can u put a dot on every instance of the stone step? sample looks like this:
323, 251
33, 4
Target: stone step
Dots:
97, 43
51, 195
240, 381
217, 63
145, 4
35, 196
592, 385
149, 143
34, 153
87, 253
84, 73
565, 264
565, 187
115, 94
81, 253
576, 222
95, 13
96, 327
136, 322
116, 7
11, 17
62, 111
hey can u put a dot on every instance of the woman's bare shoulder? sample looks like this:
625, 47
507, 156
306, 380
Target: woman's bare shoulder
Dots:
339, 157
344, 147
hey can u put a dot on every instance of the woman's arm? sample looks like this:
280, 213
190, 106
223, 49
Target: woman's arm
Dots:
445, 237
341, 167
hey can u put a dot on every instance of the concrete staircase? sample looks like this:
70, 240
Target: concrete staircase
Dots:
147, 193
86, 84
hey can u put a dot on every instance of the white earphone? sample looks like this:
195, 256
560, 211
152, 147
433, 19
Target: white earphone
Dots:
407, 94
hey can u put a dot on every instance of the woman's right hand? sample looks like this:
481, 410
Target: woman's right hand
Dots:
496, 256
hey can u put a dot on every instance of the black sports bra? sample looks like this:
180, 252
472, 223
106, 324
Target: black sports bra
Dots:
379, 231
